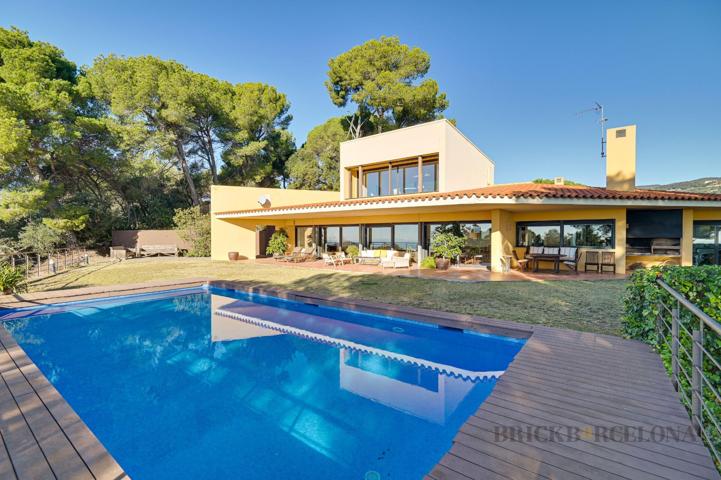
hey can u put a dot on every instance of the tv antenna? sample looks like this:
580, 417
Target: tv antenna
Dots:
598, 108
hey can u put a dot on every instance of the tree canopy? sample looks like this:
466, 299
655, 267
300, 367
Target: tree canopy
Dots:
384, 79
316, 164
127, 142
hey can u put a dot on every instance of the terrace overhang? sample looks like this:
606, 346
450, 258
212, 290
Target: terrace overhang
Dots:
459, 203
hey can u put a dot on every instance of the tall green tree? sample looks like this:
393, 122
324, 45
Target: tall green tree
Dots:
258, 143
384, 79
51, 137
152, 92
316, 165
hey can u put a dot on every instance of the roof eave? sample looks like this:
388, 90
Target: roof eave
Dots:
473, 200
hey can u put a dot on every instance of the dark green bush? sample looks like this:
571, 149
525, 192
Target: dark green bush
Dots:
701, 285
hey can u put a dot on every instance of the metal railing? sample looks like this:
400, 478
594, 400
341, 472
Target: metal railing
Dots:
689, 333
40, 265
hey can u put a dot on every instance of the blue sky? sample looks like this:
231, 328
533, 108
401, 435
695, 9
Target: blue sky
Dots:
515, 73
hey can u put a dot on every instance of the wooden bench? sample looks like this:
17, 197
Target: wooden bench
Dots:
151, 250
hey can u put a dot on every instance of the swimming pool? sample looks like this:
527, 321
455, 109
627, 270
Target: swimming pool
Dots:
202, 383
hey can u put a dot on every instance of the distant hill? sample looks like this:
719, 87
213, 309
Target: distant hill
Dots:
700, 185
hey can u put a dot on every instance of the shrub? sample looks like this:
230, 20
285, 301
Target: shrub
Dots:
194, 226
428, 262
12, 279
447, 245
39, 238
352, 251
700, 285
278, 243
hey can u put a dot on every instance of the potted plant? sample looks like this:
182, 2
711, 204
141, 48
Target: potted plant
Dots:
352, 251
11, 279
278, 243
446, 245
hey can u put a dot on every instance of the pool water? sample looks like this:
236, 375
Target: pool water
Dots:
211, 383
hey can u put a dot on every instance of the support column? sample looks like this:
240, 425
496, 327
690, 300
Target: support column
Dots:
687, 238
420, 174
361, 193
620, 247
502, 237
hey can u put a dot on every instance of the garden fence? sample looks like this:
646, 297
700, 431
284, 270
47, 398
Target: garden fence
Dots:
689, 333
38, 265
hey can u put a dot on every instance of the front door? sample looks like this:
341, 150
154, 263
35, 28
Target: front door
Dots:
262, 239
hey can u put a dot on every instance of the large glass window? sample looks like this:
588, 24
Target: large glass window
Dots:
379, 237
372, 182
304, 237
477, 246
539, 235
331, 239
350, 236
430, 176
596, 235
583, 233
410, 179
405, 237
707, 243
385, 187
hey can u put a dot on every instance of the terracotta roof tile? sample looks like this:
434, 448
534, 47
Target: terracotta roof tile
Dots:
511, 190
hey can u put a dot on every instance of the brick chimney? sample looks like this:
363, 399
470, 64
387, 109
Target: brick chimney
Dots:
621, 158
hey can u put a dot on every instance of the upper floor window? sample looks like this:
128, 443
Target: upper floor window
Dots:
400, 180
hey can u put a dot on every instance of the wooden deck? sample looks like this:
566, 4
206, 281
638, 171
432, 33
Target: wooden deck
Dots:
42, 437
575, 386
582, 385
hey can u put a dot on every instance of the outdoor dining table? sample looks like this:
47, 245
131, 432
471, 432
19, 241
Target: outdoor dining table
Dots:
546, 257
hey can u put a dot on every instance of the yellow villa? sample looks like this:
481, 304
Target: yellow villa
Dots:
400, 187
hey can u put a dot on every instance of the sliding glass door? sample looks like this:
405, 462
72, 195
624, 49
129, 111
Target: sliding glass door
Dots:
707, 243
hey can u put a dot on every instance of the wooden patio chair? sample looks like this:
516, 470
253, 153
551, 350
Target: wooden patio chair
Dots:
523, 263
287, 258
572, 255
306, 254
608, 260
592, 260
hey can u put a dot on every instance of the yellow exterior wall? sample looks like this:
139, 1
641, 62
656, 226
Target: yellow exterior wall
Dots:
236, 235
621, 158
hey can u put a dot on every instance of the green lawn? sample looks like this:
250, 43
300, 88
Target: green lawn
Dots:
581, 305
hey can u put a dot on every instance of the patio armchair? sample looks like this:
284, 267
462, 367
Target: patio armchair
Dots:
342, 258
329, 259
592, 260
608, 260
523, 263
551, 250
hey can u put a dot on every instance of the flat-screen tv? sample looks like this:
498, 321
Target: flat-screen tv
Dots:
654, 223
